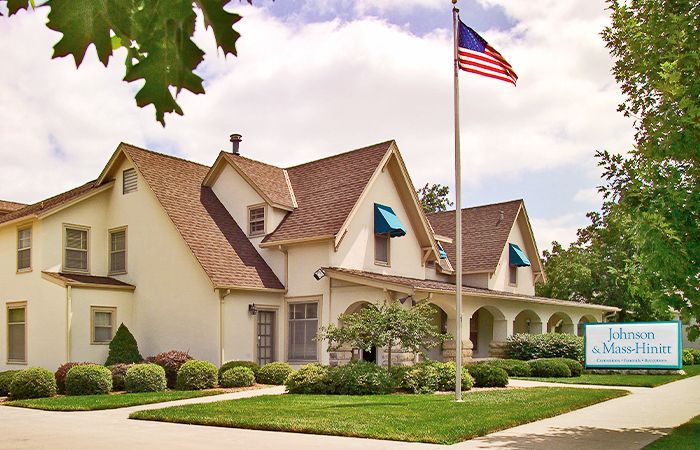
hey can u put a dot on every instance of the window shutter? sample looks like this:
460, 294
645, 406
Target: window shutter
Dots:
130, 181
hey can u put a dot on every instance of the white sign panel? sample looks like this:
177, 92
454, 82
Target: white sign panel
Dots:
636, 345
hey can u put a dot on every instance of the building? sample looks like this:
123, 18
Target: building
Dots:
223, 261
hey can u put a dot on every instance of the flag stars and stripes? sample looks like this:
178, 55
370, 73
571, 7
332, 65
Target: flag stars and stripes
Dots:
475, 55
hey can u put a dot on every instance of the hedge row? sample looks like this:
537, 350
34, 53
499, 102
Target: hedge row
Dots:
691, 356
549, 345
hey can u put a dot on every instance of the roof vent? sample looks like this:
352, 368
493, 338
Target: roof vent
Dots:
236, 143
501, 217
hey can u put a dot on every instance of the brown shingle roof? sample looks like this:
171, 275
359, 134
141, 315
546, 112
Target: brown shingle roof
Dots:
82, 279
49, 203
269, 179
442, 286
216, 240
484, 235
7, 206
326, 191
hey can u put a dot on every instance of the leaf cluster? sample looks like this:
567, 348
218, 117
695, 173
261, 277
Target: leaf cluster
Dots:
434, 198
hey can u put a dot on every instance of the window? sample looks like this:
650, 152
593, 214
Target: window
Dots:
117, 251
256, 220
130, 181
24, 249
381, 249
303, 326
76, 249
513, 275
17, 333
102, 324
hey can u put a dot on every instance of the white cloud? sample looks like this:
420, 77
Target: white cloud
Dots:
300, 91
561, 229
590, 196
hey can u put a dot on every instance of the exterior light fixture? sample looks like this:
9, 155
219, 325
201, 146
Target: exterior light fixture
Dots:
320, 273
252, 309
402, 300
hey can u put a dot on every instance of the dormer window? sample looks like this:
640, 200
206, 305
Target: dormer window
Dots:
256, 220
129, 181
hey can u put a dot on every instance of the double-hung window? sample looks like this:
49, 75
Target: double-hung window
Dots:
24, 249
303, 326
117, 251
102, 324
256, 220
76, 249
382, 246
17, 333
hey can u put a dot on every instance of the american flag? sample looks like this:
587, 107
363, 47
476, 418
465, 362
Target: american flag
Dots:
475, 55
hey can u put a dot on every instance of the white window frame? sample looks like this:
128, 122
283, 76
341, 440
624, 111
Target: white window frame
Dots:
136, 181
102, 309
288, 327
111, 252
67, 227
512, 274
252, 208
10, 306
379, 262
31, 239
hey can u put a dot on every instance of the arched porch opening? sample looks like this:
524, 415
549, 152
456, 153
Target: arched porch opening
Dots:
439, 321
370, 355
527, 322
560, 322
486, 326
584, 320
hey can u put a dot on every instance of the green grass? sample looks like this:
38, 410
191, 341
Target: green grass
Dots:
415, 418
95, 402
621, 380
684, 437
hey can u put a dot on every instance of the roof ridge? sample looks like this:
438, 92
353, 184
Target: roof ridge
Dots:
340, 154
58, 195
163, 154
477, 206
228, 154
13, 202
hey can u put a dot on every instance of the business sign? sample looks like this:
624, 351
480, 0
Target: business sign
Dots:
634, 345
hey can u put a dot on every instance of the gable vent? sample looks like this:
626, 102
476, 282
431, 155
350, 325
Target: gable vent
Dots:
130, 181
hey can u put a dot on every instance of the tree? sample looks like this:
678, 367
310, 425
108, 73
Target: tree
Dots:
385, 325
157, 36
123, 349
434, 198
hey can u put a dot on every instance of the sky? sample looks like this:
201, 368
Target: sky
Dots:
319, 77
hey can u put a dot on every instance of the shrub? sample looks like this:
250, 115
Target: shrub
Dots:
5, 381
61, 373
118, 374
171, 362
486, 375
397, 374
145, 378
447, 375
548, 345
89, 379
696, 355
123, 348
574, 366
421, 379
237, 377
360, 378
197, 375
274, 373
309, 379
549, 368
35, 382
514, 367
231, 364
688, 357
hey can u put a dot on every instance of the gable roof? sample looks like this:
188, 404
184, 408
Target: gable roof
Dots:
326, 191
270, 181
7, 206
217, 242
484, 234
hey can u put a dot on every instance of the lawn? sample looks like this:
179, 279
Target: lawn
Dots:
684, 437
622, 380
416, 418
95, 402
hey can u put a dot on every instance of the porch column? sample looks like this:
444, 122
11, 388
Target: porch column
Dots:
502, 328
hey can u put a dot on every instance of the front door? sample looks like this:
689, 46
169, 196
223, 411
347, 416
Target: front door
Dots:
266, 337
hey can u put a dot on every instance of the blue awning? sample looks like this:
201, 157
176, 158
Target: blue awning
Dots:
443, 253
386, 222
518, 257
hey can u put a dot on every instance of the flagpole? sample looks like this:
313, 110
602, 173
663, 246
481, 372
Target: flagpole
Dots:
458, 212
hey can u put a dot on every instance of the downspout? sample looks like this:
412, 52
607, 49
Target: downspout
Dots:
222, 297
69, 316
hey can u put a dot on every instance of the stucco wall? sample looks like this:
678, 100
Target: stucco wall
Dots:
500, 279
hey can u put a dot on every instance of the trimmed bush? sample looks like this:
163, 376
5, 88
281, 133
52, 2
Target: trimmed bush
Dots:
35, 382
145, 378
488, 376
360, 378
514, 367
171, 362
89, 379
61, 373
231, 364
696, 355
123, 348
574, 366
237, 377
197, 375
549, 368
274, 373
309, 379
688, 357
447, 375
5, 381
549, 345
397, 374
421, 379
118, 374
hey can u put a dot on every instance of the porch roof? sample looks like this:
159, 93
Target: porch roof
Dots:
81, 280
412, 285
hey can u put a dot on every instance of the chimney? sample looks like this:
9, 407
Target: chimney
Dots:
236, 143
